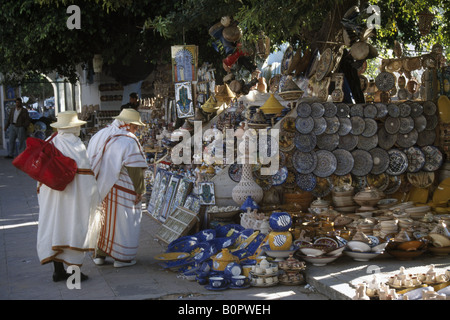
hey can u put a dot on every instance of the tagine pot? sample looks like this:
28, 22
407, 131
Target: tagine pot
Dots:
368, 198
280, 240
222, 259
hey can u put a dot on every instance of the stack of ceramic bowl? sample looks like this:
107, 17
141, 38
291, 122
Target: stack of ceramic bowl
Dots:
403, 247
292, 271
324, 250
385, 204
264, 274
387, 227
343, 199
418, 212
364, 251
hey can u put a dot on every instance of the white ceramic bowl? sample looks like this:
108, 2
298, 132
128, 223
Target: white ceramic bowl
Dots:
379, 248
320, 261
362, 256
336, 252
358, 246
439, 240
311, 252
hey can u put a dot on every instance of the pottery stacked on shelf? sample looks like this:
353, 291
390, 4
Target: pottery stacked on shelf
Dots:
343, 199
264, 274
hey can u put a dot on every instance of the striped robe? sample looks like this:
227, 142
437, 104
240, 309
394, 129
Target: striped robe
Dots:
110, 151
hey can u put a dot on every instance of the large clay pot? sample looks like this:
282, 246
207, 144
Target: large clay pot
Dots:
280, 240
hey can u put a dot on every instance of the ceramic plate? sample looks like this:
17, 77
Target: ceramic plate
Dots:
287, 125
392, 125
382, 110
344, 162
287, 59
348, 142
358, 125
416, 109
317, 110
290, 180
378, 181
332, 124
304, 125
429, 108
398, 162
367, 143
385, 81
393, 110
370, 111
394, 184
325, 64
380, 160
386, 140
363, 162
343, 110
406, 124
326, 163
280, 177
357, 110
304, 162
433, 158
432, 122
407, 140
416, 159
286, 142
320, 125
304, 110
323, 187
328, 141
405, 110
420, 123
370, 127
305, 142
426, 137
345, 126
306, 182
421, 179
402, 94
235, 172
330, 109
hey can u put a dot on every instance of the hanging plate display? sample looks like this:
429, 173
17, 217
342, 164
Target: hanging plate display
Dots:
394, 185
385, 81
392, 125
348, 142
357, 110
328, 141
421, 179
406, 125
317, 110
382, 110
433, 158
330, 109
393, 110
304, 110
363, 162
407, 140
323, 187
398, 162
429, 108
286, 142
320, 125
402, 94
432, 122
416, 109
405, 109
305, 142
367, 143
370, 111
345, 126
385, 139
325, 64
304, 162
287, 125
416, 159
380, 160
304, 125
426, 138
235, 172
358, 125
306, 182
290, 180
378, 181
370, 127
332, 125
344, 162
343, 110
280, 177
326, 163
342, 181
287, 59
420, 123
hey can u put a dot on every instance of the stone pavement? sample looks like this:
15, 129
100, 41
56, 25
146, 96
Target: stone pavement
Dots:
22, 277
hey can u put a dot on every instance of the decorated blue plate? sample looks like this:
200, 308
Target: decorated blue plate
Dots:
433, 158
235, 172
304, 162
306, 182
416, 109
333, 125
363, 162
416, 159
305, 142
357, 110
304, 125
343, 110
348, 142
380, 160
344, 162
326, 164
304, 110
370, 111
330, 109
358, 125
407, 140
328, 141
345, 126
320, 125
280, 177
398, 162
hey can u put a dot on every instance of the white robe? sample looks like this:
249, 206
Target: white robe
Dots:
69, 219
110, 151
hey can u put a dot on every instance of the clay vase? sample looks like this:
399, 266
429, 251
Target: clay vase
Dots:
280, 240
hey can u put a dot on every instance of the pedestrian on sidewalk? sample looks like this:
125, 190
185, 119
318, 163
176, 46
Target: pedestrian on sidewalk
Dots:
18, 122
69, 220
118, 162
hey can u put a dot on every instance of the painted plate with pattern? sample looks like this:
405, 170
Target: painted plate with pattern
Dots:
344, 162
358, 125
304, 110
348, 142
370, 127
416, 159
330, 109
420, 123
393, 110
405, 109
416, 109
433, 158
357, 110
367, 143
326, 163
378, 181
328, 141
235, 172
394, 184
345, 126
421, 179
363, 162
304, 162
382, 110
304, 125
385, 81
429, 108
306, 182
320, 125
432, 121
385, 139
332, 124
407, 140
288, 125
398, 162
290, 180
325, 64
370, 111
286, 142
406, 124
317, 110
343, 110
323, 187
305, 142
380, 160
426, 137
392, 125
280, 177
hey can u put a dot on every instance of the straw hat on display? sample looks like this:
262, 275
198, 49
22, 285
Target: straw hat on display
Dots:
67, 119
129, 115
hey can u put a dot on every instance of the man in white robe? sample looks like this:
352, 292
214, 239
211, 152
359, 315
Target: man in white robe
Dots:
118, 162
69, 220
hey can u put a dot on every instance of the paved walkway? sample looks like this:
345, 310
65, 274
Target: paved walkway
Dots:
22, 277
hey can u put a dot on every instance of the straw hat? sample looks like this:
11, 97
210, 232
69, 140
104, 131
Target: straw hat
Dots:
67, 119
129, 115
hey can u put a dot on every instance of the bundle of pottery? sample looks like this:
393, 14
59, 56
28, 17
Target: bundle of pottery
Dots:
264, 274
